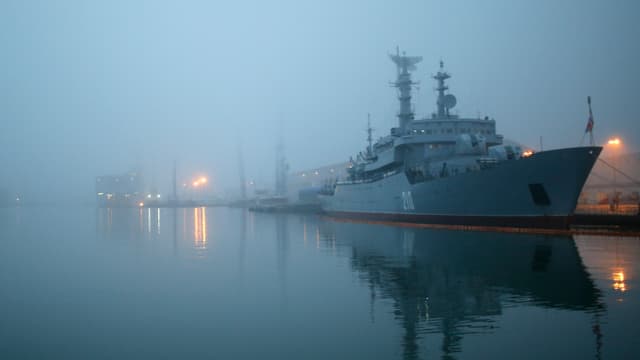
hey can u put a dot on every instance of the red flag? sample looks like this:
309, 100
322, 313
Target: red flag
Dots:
589, 123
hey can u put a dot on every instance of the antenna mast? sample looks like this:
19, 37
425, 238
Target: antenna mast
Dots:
369, 138
281, 168
590, 124
175, 176
243, 182
441, 76
404, 65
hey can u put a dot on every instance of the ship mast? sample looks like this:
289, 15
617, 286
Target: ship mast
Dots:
281, 168
175, 180
404, 64
369, 138
441, 76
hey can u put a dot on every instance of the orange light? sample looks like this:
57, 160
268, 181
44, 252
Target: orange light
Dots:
141, 204
614, 141
618, 281
203, 180
527, 153
196, 183
618, 276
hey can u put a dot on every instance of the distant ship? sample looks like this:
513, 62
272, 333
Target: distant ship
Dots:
451, 170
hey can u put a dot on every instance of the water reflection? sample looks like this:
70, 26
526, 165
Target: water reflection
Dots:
456, 283
186, 224
447, 293
614, 259
618, 280
200, 228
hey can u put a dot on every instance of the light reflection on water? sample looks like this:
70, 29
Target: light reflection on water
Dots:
200, 228
283, 286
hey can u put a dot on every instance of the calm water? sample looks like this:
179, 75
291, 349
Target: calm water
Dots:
79, 283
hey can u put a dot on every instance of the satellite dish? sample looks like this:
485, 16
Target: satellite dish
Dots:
449, 101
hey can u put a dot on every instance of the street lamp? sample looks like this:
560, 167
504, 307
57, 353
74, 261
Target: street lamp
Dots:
615, 144
614, 141
199, 183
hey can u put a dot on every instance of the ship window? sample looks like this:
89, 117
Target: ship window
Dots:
539, 194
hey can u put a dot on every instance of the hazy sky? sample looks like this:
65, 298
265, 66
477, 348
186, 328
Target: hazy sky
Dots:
100, 87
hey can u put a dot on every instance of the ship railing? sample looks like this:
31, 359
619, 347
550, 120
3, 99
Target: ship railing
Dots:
608, 209
374, 178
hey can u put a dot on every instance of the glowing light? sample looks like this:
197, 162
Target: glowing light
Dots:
158, 196
201, 181
148, 196
100, 193
618, 281
619, 287
141, 204
527, 153
618, 276
614, 141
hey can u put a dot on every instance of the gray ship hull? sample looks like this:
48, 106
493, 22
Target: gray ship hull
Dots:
541, 190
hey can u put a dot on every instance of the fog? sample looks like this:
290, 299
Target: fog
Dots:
90, 88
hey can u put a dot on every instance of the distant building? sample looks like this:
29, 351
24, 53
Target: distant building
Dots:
300, 182
119, 190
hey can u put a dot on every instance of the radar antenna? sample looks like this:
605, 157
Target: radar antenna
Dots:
445, 101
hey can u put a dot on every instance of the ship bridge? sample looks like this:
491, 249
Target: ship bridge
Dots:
448, 130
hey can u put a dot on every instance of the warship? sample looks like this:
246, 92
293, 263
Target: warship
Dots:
448, 169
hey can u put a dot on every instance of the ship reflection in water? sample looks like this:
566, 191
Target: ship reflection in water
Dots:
224, 283
455, 284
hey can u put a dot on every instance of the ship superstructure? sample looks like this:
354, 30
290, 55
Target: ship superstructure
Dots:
446, 168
